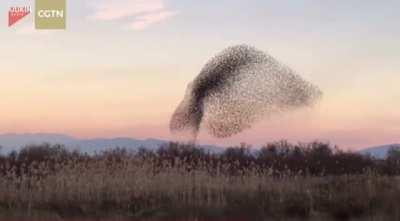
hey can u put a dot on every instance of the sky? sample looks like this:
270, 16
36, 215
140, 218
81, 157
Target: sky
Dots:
121, 67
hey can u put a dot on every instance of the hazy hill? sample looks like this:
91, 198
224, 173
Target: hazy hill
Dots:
10, 142
378, 151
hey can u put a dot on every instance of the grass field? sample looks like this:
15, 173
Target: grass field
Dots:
180, 182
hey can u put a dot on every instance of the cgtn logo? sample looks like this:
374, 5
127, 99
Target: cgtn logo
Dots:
15, 14
51, 13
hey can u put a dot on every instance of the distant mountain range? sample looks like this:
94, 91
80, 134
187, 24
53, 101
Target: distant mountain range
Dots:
379, 152
10, 142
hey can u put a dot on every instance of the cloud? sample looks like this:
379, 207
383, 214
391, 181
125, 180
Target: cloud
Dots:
143, 21
136, 14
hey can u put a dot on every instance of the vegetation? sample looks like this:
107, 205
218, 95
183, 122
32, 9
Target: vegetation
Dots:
280, 181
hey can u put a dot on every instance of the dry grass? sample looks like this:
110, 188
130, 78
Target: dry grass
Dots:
119, 184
